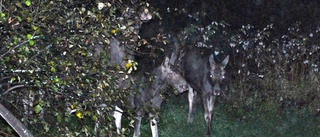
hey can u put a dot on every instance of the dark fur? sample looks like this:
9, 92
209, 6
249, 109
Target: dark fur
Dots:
146, 88
203, 75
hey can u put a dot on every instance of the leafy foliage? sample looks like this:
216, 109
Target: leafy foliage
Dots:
54, 61
265, 65
54, 55
278, 66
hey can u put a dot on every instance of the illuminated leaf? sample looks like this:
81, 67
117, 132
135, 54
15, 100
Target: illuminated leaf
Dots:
55, 88
15, 40
87, 80
2, 15
53, 69
79, 115
35, 27
29, 36
28, 2
29, 19
38, 83
94, 118
59, 118
37, 109
31, 42
56, 79
46, 127
51, 63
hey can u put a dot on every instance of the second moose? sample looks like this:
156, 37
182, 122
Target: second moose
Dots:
204, 75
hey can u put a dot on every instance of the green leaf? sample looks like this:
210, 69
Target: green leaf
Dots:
55, 88
31, 42
94, 118
87, 80
15, 40
19, 18
37, 109
46, 127
35, 27
51, 63
38, 84
28, 2
29, 19
53, 69
56, 79
2, 15
29, 36
59, 118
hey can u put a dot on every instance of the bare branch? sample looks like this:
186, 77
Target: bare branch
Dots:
12, 88
14, 122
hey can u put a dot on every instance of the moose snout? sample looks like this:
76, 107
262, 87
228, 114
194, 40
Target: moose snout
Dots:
216, 89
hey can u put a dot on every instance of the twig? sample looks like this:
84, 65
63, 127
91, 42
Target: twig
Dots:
0, 6
22, 43
12, 88
47, 48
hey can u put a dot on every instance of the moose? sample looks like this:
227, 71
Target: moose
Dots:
146, 88
204, 75
199, 72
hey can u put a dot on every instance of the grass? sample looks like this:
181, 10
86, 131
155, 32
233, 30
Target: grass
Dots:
263, 121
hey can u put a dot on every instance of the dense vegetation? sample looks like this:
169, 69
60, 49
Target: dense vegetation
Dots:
56, 78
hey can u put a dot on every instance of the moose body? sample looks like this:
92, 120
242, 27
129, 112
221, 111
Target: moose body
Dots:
204, 75
148, 97
146, 89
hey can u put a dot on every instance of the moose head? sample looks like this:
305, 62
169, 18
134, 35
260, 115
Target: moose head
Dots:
217, 73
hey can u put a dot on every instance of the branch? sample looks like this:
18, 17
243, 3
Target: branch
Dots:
12, 88
14, 122
22, 43
0, 6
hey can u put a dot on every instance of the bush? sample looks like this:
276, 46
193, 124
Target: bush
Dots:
54, 62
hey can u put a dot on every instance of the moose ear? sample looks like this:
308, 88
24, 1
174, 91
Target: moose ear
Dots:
225, 61
211, 60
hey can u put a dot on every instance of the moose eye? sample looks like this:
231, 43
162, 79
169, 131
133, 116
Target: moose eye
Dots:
211, 75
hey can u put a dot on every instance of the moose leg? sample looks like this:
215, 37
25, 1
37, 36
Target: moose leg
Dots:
117, 114
153, 125
191, 97
137, 124
208, 102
